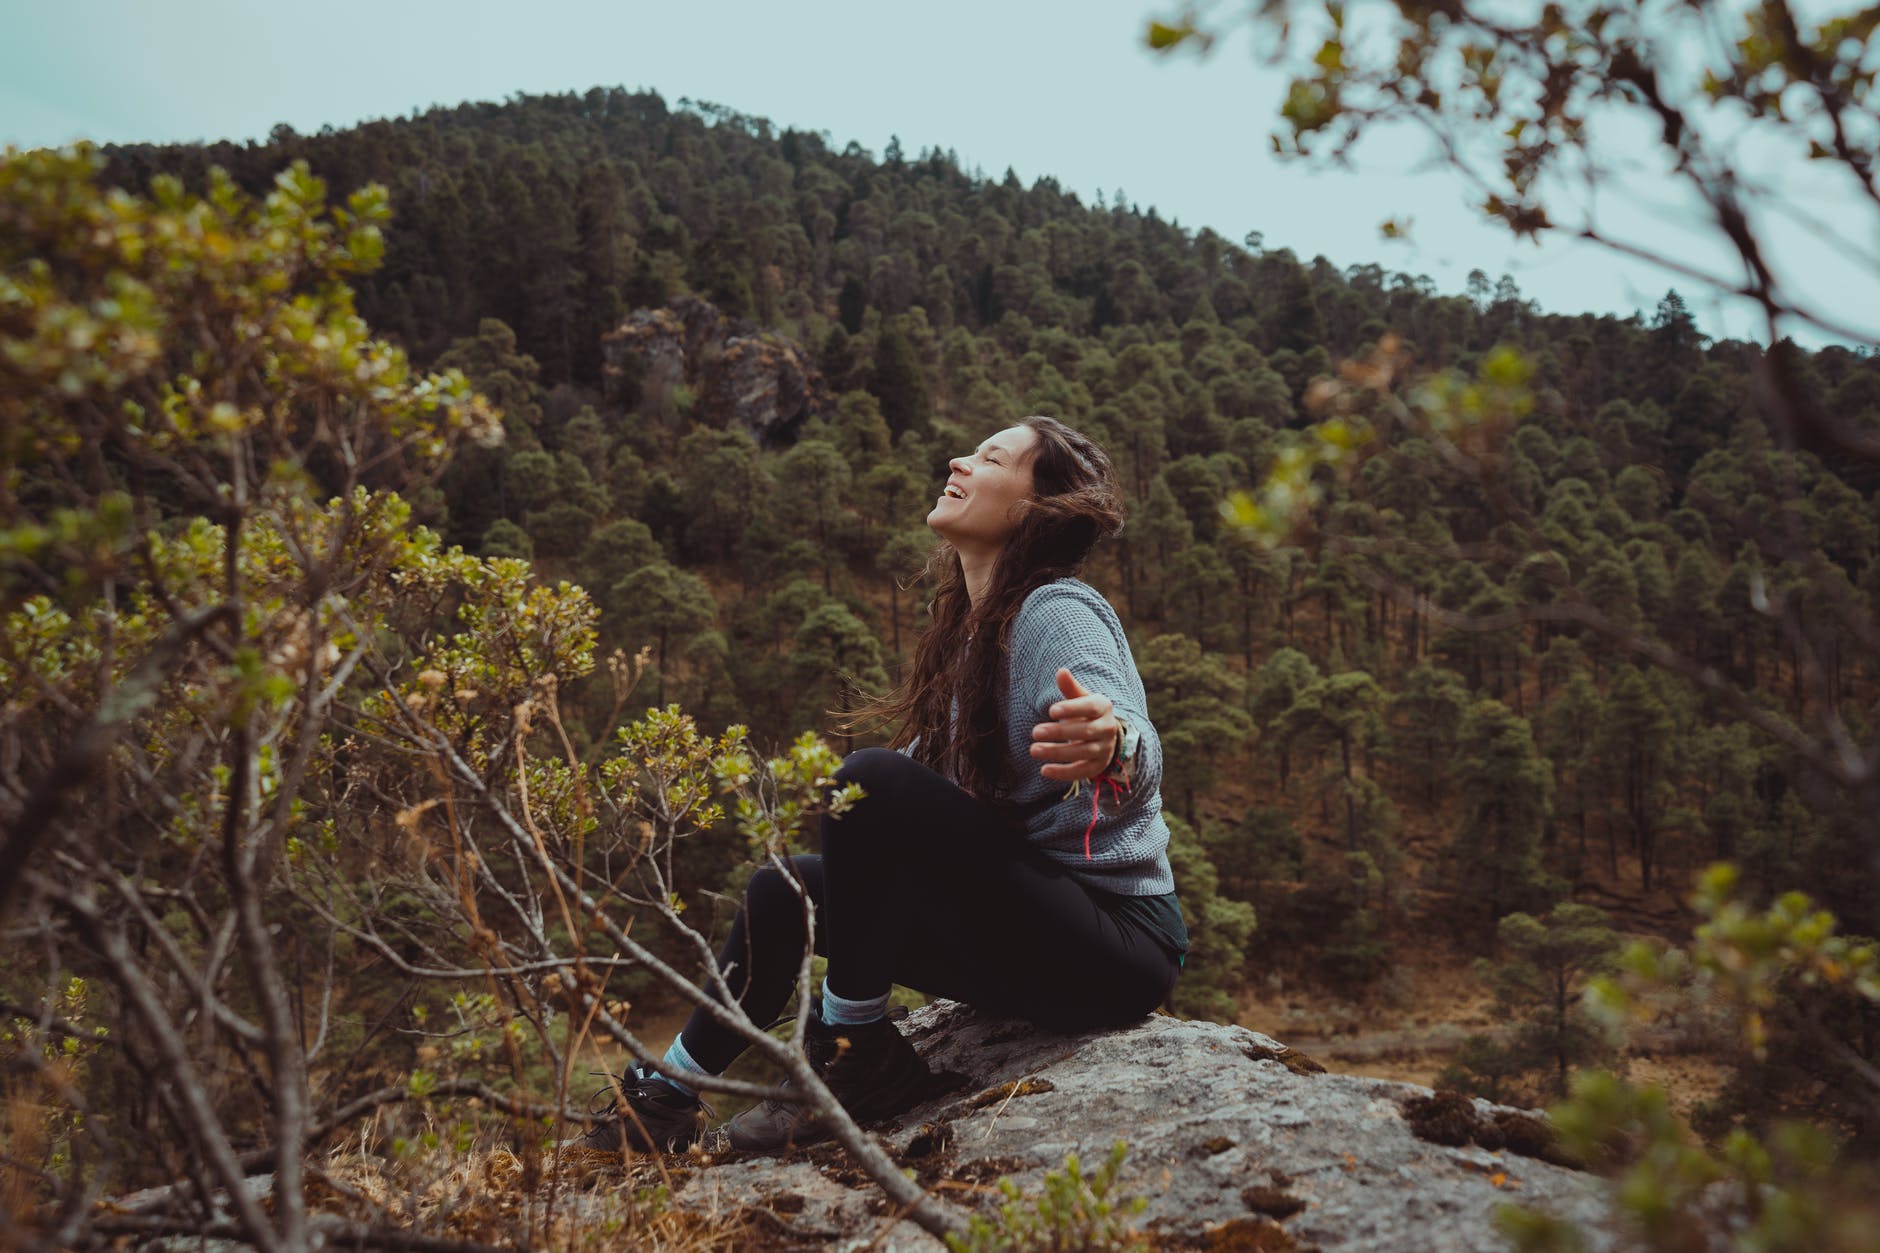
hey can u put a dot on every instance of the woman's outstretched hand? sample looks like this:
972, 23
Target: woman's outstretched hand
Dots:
1081, 737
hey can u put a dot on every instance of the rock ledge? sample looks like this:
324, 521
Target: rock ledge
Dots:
1235, 1141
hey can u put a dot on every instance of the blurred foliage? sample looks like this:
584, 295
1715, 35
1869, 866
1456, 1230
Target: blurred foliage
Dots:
1774, 1182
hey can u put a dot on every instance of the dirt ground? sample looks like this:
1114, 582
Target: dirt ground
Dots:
1411, 1028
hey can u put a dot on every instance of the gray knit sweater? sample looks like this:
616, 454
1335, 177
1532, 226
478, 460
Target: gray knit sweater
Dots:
1068, 623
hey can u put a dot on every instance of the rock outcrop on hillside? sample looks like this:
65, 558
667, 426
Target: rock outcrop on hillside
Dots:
742, 376
1235, 1141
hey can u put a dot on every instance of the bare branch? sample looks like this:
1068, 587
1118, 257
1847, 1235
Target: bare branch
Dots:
183, 1086
932, 1215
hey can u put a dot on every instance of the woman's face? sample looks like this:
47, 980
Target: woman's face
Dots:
976, 509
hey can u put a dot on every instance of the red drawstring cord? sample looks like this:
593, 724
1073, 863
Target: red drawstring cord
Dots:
1119, 788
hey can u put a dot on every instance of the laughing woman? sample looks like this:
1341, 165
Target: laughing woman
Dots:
1009, 850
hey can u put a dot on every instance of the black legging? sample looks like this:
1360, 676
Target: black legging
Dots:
920, 884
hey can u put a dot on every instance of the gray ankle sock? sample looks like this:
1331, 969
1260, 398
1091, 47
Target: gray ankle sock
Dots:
840, 1011
679, 1062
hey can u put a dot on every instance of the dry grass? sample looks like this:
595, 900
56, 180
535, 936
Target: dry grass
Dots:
573, 1200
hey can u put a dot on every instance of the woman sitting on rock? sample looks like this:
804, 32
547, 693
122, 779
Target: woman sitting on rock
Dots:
1010, 853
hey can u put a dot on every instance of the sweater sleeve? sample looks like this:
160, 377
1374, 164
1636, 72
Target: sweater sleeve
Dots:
1073, 627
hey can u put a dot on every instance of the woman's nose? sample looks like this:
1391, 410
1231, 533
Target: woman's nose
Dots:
959, 465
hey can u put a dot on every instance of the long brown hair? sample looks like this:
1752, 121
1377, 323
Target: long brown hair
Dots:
1076, 501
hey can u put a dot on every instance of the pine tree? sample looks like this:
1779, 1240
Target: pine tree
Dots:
1636, 737
1547, 962
1694, 587
667, 607
901, 558
1295, 324
1341, 711
1256, 571
851, 304
1610, 584
530, 479
818, 481
837, 359
899, 384
834, 657
725, 486
550, 248
1276, 688
1158, 531
1263, 847
1507, 794
1425, 716
474, 483
887, 489
1194, 699
506, 539
1198, 588
1571, 724
861, 433
610, 555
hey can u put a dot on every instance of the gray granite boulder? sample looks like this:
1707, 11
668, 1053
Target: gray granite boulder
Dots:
1235, 1142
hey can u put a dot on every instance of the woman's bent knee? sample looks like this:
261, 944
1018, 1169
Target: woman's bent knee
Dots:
776, 893
872, 769
881, 819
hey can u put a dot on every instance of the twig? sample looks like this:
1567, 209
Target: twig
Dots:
1001, 1109
932, 1214
183, 1085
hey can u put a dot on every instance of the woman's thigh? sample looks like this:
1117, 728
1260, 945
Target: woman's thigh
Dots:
985, 917
1020, 936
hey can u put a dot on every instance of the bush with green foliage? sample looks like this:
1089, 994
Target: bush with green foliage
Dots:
283, 770
1219, 928
1071, 1211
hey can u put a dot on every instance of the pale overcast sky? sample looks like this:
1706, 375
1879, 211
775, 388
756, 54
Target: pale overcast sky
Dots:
1048, 87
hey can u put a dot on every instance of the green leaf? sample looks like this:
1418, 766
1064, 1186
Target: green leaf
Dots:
1162, 36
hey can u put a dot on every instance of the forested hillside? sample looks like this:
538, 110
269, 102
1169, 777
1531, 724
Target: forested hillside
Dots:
731, 362
1313, 714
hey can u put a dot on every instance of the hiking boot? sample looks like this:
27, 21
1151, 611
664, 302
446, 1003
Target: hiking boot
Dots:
871, 1069
648, 1115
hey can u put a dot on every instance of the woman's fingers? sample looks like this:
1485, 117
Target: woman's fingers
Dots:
1082, 708
1070, 772
1067, 771
1081, 738
1064, 729
1073, 750
1069, 750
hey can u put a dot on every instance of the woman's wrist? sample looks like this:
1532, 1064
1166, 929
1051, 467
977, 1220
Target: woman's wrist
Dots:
1123, 746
